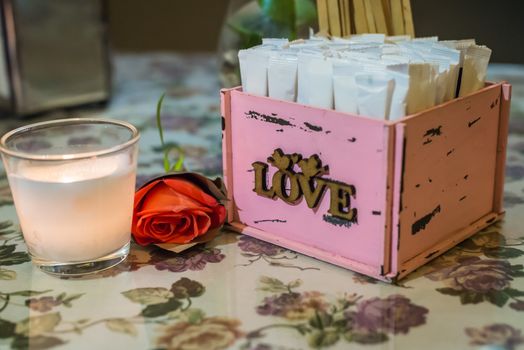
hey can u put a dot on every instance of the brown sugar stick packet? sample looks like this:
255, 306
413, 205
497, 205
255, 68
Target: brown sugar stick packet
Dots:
476, 60
422, 87
323, 17
335, 28
462, 46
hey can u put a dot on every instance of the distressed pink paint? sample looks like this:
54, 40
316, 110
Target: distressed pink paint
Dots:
403, 173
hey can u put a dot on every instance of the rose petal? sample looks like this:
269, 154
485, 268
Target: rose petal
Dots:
218, 216
190, 190
169, 227
173, 210
163, 197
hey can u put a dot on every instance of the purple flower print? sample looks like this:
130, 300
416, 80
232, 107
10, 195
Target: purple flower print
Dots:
394, 314
194, 260
252, 245
500, 335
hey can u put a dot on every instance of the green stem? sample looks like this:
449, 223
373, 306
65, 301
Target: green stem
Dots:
284, 257
189, 302
268, 260
6, 301
76, 328
513, 297
252, 261
158, 119
277, 325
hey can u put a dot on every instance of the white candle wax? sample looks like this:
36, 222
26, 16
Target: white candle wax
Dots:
75, 211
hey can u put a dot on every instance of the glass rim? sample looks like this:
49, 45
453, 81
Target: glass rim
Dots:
135, 136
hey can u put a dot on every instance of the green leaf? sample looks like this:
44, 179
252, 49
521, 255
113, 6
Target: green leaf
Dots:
179, 165
340, 323
121, 325
7, 329
6, 250
157, 310
367, 338
319, 339
247, 38
7, 275
449, 291
251, 24
321, 320
517, 270
5, 224
185, 288
37, 325
306, 13
497, 298
294, 284
15, 259
29, 293
67, 301
280, 11
514, 293
272, 284
468, 297
167, 166
503, 252
193, 316
148, 296
38, 342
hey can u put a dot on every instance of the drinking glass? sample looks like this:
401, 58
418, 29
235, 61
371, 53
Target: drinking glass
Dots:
73, 183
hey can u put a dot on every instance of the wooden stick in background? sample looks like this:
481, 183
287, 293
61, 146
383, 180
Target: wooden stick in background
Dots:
397, 18
351, 14
334, 18
386, 5
379, 16
345, 11
370, 18
409, 27
323, 17
343, 17
359, 17
342, 11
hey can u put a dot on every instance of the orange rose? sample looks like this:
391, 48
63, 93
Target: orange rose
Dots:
172, 209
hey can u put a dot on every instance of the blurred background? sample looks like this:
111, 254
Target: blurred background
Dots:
115, 58
66, 53
176, 25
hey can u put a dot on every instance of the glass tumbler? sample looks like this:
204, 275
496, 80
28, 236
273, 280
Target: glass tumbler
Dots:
73, 183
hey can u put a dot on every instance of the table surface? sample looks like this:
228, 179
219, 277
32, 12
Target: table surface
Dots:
237, 292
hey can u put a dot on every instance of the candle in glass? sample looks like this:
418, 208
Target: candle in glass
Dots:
74, 200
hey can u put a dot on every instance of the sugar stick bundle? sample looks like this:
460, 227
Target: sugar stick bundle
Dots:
378, 76
341, 18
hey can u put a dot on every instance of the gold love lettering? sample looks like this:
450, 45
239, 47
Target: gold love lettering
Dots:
291, 186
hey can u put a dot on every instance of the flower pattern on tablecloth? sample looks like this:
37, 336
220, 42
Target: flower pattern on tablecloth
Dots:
498, 335
324, 321
255, 250
241, 293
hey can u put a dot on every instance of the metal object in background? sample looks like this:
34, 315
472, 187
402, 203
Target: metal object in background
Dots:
54, 54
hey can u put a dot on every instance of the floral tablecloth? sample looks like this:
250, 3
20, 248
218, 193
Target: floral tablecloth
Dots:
237, 292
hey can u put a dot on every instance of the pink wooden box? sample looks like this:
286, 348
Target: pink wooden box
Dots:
377, 197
